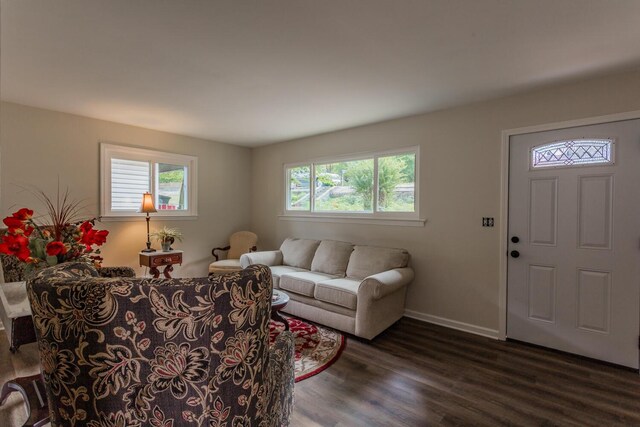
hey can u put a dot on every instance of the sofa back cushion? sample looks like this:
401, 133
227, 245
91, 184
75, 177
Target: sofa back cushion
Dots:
368, 260
298, 252
332, 257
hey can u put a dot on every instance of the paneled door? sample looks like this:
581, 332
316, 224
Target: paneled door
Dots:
574, 240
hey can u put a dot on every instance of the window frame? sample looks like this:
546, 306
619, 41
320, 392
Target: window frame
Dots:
374, 214
110, 150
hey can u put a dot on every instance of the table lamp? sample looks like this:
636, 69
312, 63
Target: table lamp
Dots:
147, 207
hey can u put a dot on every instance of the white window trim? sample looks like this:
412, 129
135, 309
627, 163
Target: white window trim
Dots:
110, 150
374, 217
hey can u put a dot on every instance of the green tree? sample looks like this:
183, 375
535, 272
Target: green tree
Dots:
359, 176
409, 166
171, 176
389, 176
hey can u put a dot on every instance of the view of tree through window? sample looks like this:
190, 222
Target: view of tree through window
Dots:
345, 186
396, 183
349, 185
299, 189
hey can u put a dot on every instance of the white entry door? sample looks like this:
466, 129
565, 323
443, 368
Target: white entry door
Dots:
574, 249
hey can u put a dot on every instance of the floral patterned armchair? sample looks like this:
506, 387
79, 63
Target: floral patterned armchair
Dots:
160, 352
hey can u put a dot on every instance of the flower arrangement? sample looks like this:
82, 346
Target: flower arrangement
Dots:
64, 237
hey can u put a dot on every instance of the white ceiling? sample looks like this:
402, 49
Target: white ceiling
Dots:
261, 71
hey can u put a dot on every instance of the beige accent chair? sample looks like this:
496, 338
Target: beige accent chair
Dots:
240, 243
353, 288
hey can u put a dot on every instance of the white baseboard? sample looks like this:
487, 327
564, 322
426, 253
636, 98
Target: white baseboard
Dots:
453, 324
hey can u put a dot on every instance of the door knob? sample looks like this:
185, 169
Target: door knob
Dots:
515, 239
515, 254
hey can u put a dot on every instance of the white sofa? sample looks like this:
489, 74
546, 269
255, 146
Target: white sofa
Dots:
352, 288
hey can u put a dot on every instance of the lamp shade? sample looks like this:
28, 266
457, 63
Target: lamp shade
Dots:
147, 204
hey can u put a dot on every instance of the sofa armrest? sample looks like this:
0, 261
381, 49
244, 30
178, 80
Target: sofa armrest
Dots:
387, 282
116, 272
263, 257
281, 378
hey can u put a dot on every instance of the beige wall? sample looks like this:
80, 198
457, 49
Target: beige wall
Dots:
37, 146
456, 260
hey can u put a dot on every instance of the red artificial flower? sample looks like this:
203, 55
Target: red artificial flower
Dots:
17, 245
56, 248
100, 237
17, 227
13, 223
17, 222
92, 237
86, 226
23, 214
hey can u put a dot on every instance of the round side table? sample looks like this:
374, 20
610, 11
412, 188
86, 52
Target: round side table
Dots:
278, 301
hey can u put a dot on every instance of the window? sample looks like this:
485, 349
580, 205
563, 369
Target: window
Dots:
575, 152
127, 173
344, 186
299, 188
374, 185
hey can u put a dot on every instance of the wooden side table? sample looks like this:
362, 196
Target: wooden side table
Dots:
153, 260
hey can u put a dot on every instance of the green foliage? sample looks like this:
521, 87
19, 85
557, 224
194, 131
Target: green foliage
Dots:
165, 233
408, 166
299, 199
299, 177
389, 176
359, 176
325, 180
171, 176
393, 170
344, 203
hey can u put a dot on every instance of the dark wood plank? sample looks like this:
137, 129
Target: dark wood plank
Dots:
417, 374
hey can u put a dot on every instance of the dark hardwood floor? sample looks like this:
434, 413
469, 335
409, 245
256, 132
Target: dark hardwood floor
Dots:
417, 374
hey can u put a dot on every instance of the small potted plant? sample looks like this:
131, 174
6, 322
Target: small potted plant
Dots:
166, 236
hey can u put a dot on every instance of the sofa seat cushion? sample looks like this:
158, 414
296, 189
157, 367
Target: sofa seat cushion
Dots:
303, 282
369, 260
279, 270
298, 252
225, 265
309, 301
332, 257
342, 292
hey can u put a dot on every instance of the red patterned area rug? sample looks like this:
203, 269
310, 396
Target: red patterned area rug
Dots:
317, 347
